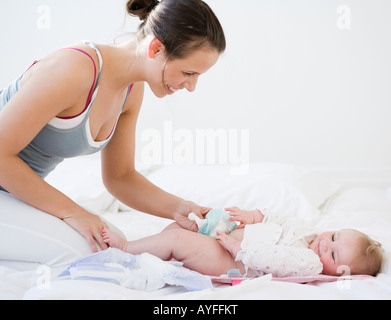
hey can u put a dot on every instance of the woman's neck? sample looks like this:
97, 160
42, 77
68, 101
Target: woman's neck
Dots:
124, 62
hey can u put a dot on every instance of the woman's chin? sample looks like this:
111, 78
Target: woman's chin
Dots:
159, 93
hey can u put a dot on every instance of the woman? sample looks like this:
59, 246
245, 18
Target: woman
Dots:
67, 105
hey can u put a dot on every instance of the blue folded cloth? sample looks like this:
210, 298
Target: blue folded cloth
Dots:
214, 220
141, 272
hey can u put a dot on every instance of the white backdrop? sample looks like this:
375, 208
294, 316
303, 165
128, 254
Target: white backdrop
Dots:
302, 81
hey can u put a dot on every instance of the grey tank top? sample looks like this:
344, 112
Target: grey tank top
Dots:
61, 138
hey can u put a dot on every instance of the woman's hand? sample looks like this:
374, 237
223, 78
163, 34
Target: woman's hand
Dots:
90, 227
185, 208
245, 216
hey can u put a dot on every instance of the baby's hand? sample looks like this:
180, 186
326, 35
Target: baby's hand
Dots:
232, 245
245, 216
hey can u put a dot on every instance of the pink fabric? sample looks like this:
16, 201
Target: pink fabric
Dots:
302, 280
93, 84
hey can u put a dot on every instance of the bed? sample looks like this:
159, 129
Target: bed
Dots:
324, 198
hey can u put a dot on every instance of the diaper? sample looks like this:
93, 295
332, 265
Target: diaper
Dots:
215, 220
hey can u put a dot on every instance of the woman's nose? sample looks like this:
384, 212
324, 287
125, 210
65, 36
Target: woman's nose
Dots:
191, 84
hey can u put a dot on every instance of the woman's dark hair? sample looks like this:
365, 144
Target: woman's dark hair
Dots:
181, 25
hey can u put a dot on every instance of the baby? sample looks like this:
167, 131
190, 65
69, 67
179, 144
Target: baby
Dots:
261, 244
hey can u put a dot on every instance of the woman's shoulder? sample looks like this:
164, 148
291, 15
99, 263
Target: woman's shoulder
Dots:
67, 71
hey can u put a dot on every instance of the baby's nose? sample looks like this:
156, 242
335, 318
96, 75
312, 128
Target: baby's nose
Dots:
325, 246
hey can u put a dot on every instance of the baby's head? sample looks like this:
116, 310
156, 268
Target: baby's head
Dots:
348, 252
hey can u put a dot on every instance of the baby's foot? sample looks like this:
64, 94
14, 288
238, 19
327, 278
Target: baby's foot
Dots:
113, 239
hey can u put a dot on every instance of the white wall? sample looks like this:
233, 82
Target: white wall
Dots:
309, 80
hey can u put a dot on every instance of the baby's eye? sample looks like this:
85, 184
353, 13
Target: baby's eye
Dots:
333, 238
333, 256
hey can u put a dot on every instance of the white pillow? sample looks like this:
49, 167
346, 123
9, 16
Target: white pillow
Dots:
365, 209
81, 180
282, 188
78, 177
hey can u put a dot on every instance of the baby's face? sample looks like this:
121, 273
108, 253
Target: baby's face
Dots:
336, 250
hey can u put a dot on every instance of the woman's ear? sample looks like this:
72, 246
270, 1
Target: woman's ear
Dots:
155, 47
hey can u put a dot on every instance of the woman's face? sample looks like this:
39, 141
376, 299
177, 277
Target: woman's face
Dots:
173, 75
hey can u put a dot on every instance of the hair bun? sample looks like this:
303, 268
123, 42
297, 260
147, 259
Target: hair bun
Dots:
182, 26
140, 8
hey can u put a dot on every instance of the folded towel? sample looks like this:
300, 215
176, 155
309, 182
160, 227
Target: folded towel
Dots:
141, 272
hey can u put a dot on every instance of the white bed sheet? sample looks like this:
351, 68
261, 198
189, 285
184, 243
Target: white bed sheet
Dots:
289, 190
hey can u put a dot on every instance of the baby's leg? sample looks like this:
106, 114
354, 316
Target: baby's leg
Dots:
197, 252
173, 225
201, 253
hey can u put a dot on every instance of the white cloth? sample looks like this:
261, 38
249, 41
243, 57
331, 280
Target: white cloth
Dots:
279, 247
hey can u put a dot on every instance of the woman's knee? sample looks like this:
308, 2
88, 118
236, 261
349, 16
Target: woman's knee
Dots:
33, 236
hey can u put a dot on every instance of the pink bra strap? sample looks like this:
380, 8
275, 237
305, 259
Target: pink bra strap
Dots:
93, 85
35, 61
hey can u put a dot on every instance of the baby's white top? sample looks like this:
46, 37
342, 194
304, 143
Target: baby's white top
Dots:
279, 247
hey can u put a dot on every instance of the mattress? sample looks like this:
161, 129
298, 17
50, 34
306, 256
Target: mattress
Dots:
286, 189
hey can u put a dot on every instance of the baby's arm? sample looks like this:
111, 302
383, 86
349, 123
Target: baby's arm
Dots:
245, 216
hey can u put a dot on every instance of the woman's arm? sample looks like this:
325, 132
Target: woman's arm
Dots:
124, 182
59, 83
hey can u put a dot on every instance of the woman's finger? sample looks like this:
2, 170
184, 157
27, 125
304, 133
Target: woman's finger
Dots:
185, 223
205, 211
98, 237
92, 243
